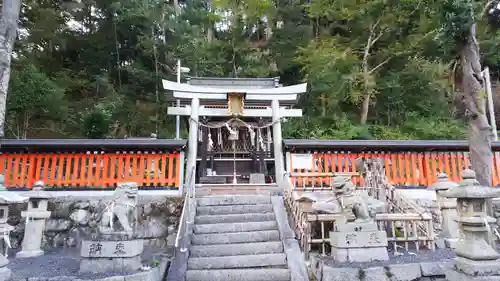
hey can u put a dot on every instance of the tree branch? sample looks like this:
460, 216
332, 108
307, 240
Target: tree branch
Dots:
379, 65
378, 37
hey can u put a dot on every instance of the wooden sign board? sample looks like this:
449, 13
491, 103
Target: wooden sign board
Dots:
302, 161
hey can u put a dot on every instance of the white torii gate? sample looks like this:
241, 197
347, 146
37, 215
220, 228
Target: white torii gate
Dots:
272, 95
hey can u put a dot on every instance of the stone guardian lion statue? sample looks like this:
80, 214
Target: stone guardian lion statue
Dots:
123, 207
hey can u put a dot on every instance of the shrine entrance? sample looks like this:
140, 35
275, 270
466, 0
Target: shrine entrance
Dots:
234, 126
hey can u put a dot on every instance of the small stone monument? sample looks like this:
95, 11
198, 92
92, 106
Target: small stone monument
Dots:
35, 216
448, 209
476, 259
116, 247
359, 240
6, 198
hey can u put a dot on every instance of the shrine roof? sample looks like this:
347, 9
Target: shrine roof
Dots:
243, 83
377, 145
213, 91
109, 145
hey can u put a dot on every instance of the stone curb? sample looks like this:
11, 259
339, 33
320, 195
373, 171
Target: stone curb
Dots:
154, 274
392, 272
295, 261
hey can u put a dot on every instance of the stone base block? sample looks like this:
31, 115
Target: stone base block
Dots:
460, 276
360, 254
29, 254
358, 239
478, 268
5, 273
102, 265
112, 248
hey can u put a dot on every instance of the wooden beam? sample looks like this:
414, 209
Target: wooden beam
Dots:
223, 96
202, 111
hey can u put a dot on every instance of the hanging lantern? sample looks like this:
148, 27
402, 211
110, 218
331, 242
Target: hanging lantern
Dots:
235, 103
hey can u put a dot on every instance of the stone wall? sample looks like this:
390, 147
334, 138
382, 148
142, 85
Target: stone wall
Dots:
155, 273
417, 271
74, 218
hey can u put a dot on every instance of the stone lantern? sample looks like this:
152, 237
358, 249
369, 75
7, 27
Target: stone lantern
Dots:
468, 177
35, 216
6, 198
476, 258
448, 210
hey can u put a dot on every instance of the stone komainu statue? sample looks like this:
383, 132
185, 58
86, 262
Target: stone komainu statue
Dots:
345, 188
123, 206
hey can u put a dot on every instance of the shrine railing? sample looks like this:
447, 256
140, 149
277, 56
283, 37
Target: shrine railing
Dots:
406, 162
408, 229
87, 164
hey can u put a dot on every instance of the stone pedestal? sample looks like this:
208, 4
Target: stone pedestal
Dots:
358, 242
118, 255
116, 249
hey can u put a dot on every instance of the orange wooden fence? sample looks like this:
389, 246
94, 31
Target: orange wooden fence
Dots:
83, 163
91, 170
404, 168
409, 163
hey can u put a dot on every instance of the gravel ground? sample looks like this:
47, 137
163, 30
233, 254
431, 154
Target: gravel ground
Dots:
421, 256
64, 262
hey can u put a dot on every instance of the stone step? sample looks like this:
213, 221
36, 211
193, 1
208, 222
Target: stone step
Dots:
253, 274
246, 261
235, 227
236, 237
235, 249
207, 219
234, 209
234, 200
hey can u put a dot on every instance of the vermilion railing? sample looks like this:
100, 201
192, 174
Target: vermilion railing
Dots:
410, 163
150, 163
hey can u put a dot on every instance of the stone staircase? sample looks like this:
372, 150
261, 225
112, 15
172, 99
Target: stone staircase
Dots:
237, 238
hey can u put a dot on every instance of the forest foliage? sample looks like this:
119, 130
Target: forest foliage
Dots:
376, 69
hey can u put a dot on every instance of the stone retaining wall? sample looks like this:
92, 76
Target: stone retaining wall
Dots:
156, 273
74, 218
420, 271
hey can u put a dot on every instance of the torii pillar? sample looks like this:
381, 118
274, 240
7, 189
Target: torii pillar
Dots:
277, 142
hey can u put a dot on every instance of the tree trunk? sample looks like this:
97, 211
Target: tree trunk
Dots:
480, 133
8, 33
365, 106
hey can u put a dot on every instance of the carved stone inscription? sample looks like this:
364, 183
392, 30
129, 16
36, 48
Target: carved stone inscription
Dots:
358, 239
111, 249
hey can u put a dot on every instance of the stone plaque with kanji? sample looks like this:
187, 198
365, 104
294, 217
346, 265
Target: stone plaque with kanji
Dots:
358, 239
112, 249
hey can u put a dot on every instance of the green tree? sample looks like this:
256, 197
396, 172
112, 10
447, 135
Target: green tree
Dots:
33, 97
